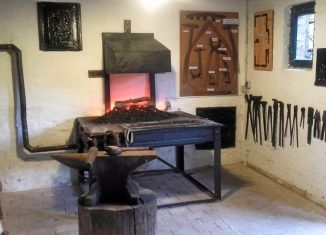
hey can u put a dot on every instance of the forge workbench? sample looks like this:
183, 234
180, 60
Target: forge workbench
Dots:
184, 129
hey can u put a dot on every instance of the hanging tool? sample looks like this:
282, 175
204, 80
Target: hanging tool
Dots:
215, 44
269, 121
187, 57
197, 73
233, 43
249, 116
257, 118
294, 128
281, 125
288, 119
310, 120
317, 119
323, 129
264, 105
227, 78
275, 115
303, 114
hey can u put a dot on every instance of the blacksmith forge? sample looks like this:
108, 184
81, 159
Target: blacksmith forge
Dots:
130, 53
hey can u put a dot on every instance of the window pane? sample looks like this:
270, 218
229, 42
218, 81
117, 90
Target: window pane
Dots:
305, 37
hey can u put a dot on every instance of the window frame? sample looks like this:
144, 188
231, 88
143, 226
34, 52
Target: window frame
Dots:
296, 11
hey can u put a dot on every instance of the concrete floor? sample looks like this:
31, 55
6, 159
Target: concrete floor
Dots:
252, 204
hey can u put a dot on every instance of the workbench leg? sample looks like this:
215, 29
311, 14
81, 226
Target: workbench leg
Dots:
217, 162
180, 160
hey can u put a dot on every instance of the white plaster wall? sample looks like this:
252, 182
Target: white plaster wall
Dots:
302, 167
58, 89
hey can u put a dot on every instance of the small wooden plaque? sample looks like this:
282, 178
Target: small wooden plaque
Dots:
263, 40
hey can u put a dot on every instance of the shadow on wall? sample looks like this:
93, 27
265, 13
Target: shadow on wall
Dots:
57, 134
167, 81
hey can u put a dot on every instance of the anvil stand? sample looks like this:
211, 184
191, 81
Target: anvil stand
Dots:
115, 204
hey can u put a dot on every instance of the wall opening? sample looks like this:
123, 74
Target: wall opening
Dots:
225, 116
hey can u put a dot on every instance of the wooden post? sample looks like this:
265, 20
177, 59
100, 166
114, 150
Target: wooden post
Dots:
120, 219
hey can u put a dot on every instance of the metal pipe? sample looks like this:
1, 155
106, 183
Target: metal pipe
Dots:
24, 149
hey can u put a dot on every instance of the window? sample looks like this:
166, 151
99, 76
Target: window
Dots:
302, 35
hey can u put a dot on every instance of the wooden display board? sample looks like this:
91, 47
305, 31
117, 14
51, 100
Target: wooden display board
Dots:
263, 40
208, 53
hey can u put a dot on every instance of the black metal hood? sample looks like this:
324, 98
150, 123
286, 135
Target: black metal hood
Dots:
134, 53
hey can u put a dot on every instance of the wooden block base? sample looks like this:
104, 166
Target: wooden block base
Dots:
120, 219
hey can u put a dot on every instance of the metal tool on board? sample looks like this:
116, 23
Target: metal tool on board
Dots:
187, 57
198, 73
215, 44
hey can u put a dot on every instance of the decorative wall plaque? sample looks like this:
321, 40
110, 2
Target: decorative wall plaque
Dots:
59, 26
321, 67
208, 53
263, 40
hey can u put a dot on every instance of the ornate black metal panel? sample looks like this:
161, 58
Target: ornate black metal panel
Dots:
321, 67
59, 26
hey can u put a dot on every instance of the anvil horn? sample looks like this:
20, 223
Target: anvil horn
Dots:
80, 161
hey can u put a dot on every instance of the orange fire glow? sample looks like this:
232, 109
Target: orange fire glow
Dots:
128, 86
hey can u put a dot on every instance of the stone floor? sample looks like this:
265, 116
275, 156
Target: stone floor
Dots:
252, 204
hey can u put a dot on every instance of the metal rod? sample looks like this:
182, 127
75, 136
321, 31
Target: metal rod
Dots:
214, 195
20, 111
217, 163
152, 88
179, 154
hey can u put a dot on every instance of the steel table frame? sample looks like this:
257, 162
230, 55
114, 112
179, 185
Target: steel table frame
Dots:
178, 135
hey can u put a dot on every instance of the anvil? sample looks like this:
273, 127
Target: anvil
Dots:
112, 173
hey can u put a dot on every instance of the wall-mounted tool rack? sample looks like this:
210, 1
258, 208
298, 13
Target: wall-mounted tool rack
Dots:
263, 40
208, 53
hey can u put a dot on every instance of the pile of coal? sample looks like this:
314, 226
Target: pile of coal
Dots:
134, 114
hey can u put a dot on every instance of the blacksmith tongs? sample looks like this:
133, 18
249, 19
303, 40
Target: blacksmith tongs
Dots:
249, 115
317, 124
310, 121
323, 129
303, 114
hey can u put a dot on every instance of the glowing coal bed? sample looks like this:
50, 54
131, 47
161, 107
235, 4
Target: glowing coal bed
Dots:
134, 114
